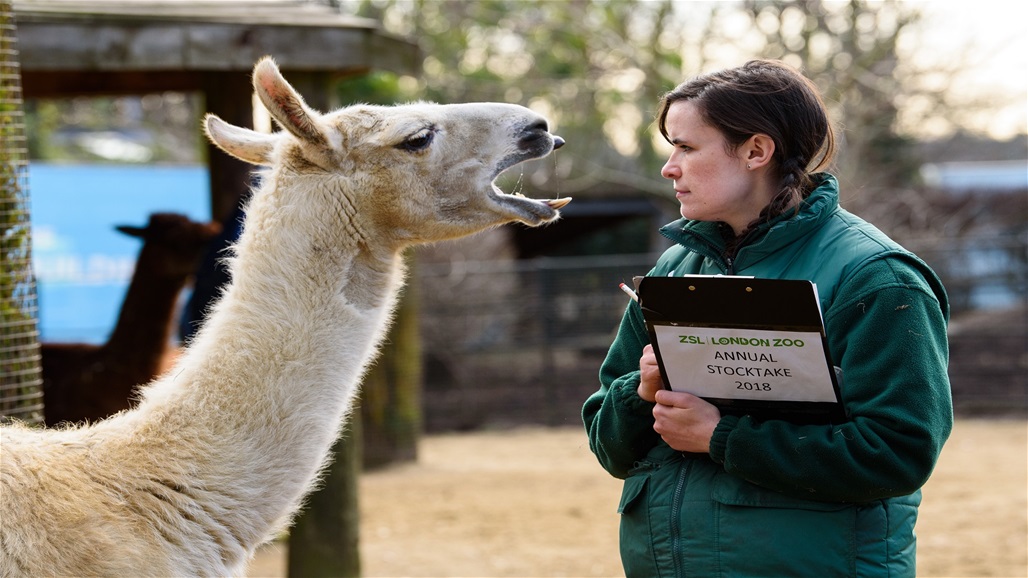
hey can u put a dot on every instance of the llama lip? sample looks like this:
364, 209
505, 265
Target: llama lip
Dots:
543, 143
533, 211
553, 203
515, 159
536, 142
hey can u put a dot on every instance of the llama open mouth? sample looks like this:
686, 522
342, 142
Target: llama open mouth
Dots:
531, 153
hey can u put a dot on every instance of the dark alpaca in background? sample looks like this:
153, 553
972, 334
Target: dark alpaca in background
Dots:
91, 382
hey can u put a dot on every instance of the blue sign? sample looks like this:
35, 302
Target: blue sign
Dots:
83, 265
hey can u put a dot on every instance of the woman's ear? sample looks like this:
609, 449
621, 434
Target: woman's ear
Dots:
758, 151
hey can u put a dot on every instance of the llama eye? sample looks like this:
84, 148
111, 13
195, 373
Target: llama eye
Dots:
419, 141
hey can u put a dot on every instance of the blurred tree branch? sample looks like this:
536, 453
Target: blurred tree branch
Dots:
597, 69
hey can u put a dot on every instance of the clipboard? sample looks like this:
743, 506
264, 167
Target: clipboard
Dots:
749, 346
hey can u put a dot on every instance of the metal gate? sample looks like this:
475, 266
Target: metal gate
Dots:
21, 394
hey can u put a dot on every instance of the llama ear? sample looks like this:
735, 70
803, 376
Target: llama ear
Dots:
244, 144
139, 232
284, 104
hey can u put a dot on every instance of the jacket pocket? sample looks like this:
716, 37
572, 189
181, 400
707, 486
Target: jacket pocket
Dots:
636, 535
632, 492
763, 533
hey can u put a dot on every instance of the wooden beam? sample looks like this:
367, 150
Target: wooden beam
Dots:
105, 47
228, 95
151, 36
117, 47
65, 83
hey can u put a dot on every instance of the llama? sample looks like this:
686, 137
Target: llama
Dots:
86, 382
221, 450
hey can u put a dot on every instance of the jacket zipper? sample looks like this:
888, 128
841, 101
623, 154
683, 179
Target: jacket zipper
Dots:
699, 245
676, 525
709, 250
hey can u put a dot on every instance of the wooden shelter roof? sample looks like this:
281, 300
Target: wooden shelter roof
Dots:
110, 47
131, 46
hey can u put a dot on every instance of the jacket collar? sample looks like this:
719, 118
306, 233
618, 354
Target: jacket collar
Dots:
705, 237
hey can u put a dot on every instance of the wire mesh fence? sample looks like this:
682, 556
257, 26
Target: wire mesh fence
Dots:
986, 278
20, 382
517, 341
513, 342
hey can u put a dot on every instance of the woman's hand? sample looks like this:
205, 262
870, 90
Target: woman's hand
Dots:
650, 381
684, 421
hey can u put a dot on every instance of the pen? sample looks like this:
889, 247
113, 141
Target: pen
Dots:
629, 291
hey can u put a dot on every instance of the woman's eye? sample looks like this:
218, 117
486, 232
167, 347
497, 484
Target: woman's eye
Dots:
419, 141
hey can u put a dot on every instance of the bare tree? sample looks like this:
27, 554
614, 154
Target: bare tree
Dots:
599, 68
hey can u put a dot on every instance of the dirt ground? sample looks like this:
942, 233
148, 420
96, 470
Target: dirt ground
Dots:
534, 503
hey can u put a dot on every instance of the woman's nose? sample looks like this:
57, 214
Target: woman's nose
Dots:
670, 171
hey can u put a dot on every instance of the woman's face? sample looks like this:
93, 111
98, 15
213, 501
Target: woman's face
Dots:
711, 181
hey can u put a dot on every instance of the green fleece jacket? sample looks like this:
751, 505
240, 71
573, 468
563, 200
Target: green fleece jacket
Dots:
775, 498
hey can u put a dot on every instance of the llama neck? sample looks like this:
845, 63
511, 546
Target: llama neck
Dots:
144, 322
266, 383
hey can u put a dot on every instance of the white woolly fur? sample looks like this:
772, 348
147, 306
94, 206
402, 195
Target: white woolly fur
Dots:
221, 450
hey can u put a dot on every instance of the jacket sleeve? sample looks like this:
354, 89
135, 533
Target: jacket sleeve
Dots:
618, 421
887, 330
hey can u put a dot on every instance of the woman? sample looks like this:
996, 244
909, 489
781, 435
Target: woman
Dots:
707, 494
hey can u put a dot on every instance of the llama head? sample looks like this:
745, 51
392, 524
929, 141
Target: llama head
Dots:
174, 242
411, 173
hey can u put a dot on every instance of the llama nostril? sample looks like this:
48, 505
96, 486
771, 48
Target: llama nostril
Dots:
557, 142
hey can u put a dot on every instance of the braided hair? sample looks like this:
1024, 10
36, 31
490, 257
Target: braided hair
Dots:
764, 97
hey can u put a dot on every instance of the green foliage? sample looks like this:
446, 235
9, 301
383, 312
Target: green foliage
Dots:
580, 63
151, 128
378, 87
597, 68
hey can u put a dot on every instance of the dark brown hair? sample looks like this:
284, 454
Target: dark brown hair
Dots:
765, 97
